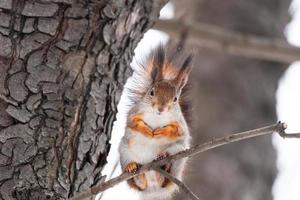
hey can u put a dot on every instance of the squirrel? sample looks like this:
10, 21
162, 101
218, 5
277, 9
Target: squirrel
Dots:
156, 124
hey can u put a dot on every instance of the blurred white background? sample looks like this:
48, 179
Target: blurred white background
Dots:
286, 186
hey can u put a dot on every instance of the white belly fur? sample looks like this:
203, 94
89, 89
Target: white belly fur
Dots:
147, 149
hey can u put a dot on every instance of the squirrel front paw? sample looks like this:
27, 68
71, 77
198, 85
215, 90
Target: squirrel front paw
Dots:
132, 167
171, 131
161, 156
137, 123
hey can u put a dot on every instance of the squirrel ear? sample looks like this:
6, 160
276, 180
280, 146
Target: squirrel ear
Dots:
158, 60
184, 72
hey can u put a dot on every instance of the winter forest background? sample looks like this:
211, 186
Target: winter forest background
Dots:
64, 65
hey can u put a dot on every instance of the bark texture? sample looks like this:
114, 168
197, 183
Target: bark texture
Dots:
62, 67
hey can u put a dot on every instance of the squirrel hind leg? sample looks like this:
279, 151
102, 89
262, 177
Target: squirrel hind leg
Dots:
166, 182
139, 182
163, 181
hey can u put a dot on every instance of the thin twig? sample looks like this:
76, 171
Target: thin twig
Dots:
180, 184
278, 128
290, 135
219, 39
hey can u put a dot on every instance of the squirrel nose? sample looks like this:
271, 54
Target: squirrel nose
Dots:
160, 109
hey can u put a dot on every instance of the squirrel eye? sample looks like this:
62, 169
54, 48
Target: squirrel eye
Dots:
152, 93
175, 99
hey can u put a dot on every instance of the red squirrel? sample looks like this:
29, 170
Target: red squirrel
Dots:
156, 124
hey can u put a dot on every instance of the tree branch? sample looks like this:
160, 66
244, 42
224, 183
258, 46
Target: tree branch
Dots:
181, 185
216, 38
278, 128
290, 135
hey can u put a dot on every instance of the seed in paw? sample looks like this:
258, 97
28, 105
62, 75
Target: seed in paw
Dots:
131, 167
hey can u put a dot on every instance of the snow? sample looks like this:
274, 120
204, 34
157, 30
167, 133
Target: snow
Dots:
286, 186
287, 183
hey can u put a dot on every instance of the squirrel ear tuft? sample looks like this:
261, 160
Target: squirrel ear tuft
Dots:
158, 60
187, 66
184, 72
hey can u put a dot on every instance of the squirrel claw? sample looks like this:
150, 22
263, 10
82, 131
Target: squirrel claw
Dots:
132, 167
157, 132
162, 155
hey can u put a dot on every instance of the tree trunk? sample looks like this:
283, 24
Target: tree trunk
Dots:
62, 67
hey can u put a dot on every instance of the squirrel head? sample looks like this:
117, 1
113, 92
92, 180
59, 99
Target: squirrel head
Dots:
167, 81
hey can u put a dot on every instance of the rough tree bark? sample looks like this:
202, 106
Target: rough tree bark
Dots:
62, 67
